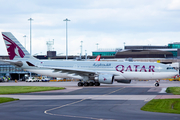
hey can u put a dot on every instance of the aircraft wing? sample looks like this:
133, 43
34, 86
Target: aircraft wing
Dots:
71, 70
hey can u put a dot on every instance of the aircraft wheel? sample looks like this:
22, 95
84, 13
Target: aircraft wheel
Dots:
86, 84
97, 84
156, 84
91, 84
80, 84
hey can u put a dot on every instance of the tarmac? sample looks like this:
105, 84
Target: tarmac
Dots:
166, 96
71, 86
106, 102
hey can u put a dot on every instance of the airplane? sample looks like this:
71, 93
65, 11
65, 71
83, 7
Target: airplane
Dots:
90, 73
98, 58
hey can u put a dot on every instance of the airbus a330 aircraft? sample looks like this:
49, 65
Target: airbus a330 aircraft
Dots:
89, 72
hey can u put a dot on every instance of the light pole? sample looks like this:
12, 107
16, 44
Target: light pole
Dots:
24, 41
30, 19
124, 45
81, 49
66, 39
97, 45
86, 55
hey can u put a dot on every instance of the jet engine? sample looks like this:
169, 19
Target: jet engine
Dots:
105, 78
124, 81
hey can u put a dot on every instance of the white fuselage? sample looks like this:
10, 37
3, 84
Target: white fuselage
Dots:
121, 70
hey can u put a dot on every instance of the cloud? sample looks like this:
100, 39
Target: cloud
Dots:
109, 23
174, 5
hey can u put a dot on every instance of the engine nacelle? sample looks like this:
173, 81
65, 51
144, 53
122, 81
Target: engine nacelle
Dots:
124, 81
105, 78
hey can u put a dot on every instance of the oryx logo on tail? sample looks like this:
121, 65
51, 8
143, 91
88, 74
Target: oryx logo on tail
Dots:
12, 48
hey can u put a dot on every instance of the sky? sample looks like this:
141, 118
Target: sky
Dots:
110, 23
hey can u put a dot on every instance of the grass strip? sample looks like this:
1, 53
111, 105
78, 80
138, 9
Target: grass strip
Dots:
173, 90
163, 105
5, 99
25, 89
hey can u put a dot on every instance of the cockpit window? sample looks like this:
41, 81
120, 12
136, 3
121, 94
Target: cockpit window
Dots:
170, 68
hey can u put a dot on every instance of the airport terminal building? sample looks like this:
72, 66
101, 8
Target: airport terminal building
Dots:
172, 50
12, 71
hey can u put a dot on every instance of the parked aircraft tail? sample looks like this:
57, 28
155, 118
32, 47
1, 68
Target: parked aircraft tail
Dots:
98, 58
14, 47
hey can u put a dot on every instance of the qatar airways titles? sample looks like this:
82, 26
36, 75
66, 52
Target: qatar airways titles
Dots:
121, 68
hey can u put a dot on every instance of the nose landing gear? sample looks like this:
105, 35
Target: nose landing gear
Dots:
157, 83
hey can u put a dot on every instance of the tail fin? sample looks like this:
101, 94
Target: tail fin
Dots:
14, 47
98, 58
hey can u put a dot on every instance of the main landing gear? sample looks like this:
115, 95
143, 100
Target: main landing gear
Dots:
80, 84
156, 83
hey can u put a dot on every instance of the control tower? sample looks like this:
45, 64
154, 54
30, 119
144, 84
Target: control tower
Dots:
50, 51
50, 45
